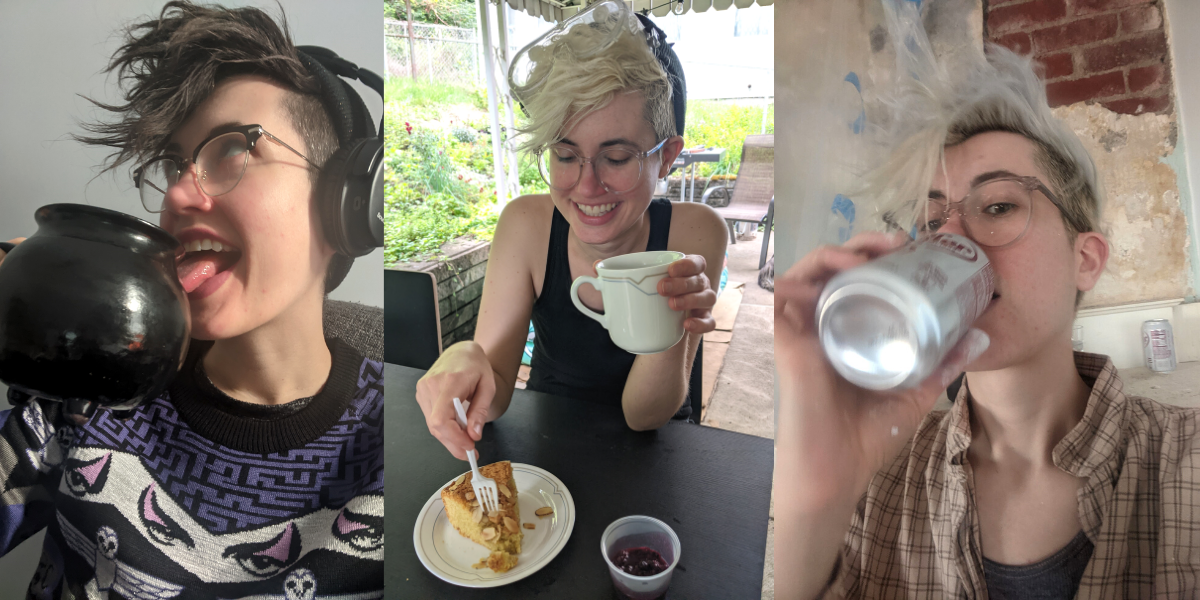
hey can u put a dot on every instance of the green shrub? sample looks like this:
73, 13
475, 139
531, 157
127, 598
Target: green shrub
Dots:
724, 125
457, 13
431, 193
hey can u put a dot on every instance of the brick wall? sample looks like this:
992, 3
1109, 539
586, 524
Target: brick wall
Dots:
1109, 51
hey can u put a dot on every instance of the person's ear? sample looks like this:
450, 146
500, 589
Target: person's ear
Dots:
1091, 256
670, 151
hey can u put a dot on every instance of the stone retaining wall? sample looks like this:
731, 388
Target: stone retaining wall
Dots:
460, 285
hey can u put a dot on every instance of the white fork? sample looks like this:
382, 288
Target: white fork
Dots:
484, 487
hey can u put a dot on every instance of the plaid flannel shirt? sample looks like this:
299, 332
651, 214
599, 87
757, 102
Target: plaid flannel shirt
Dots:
915, 533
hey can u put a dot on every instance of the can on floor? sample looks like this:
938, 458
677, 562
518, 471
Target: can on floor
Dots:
1158, 345
889, 323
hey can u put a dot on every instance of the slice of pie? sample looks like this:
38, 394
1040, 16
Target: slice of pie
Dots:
499, 531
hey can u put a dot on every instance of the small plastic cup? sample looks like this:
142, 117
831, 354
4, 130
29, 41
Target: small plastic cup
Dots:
634, 532
1077, 338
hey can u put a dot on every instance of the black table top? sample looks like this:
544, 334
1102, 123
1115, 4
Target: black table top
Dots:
713, 487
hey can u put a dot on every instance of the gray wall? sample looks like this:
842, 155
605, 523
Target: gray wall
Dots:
52, 51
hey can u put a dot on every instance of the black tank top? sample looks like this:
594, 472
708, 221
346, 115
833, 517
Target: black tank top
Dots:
573, 355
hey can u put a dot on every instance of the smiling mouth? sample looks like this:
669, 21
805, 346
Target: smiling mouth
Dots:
203, 260
596, 210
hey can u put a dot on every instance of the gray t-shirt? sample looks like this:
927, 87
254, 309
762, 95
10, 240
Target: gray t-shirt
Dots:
1054, 578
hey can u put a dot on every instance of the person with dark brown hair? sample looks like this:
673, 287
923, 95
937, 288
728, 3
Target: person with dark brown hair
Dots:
260, 470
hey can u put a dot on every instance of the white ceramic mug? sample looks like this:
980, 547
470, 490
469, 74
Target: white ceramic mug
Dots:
637, 318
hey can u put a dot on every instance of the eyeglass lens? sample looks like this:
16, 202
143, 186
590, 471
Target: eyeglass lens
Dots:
219, 167
994, 214
618, 169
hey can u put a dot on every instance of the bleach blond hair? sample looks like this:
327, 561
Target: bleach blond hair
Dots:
575, 88
934, 107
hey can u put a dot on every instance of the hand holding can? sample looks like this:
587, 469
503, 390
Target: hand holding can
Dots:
889, 323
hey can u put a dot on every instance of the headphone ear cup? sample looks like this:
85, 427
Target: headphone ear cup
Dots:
350, 198
329, 199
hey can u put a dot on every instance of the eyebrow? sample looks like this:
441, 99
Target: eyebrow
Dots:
604, 144
222, 128
982, 177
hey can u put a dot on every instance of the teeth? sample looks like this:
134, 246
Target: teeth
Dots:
206, 244
596, 210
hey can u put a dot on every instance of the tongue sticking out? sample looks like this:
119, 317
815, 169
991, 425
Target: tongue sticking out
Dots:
197, 267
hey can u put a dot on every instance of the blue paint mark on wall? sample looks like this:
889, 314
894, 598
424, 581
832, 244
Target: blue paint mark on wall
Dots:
852, 77
844, 207
857, 125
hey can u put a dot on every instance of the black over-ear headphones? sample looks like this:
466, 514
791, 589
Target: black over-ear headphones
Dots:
350, 187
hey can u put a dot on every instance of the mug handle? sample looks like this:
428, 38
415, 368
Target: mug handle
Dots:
578, 304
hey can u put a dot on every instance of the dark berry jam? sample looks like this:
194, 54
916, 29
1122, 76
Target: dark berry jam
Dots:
642, 561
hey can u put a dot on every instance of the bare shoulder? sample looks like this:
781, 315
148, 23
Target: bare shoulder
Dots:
519, 243
525, 223
534, 210
697, 229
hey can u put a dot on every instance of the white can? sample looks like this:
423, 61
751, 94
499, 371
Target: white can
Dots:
890, 322
1158, 345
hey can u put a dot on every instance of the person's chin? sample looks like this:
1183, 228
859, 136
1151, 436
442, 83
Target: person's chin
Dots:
214, 317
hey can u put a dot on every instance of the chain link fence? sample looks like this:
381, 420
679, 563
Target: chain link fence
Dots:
438, 52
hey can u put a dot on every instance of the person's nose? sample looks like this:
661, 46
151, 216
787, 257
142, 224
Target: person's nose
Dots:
185, 194
589, 181
954, 221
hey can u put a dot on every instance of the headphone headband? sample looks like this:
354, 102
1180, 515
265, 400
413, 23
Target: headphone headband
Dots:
350, 187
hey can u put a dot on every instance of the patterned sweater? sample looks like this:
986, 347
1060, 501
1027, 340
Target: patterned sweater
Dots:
198, 495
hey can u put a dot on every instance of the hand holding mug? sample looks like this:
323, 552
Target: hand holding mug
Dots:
640, 319
688, 289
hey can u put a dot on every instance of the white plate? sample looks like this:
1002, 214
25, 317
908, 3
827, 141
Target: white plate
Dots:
449, 555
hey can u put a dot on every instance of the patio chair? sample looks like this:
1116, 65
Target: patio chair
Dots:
753, 198
412, 324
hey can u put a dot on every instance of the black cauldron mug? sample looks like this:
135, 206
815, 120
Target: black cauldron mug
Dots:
91, 310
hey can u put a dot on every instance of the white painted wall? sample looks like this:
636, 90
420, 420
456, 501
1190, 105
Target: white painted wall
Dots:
1183, 21
1117, 331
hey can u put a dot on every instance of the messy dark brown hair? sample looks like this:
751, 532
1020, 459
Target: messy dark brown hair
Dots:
168, 66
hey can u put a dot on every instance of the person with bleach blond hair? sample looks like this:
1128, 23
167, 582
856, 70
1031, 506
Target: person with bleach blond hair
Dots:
605, 98
1043, 480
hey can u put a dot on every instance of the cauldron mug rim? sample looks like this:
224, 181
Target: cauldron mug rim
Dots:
62, 211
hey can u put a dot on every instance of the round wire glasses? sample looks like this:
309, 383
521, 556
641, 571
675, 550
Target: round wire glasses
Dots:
618, 168
994, 213
219, 163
